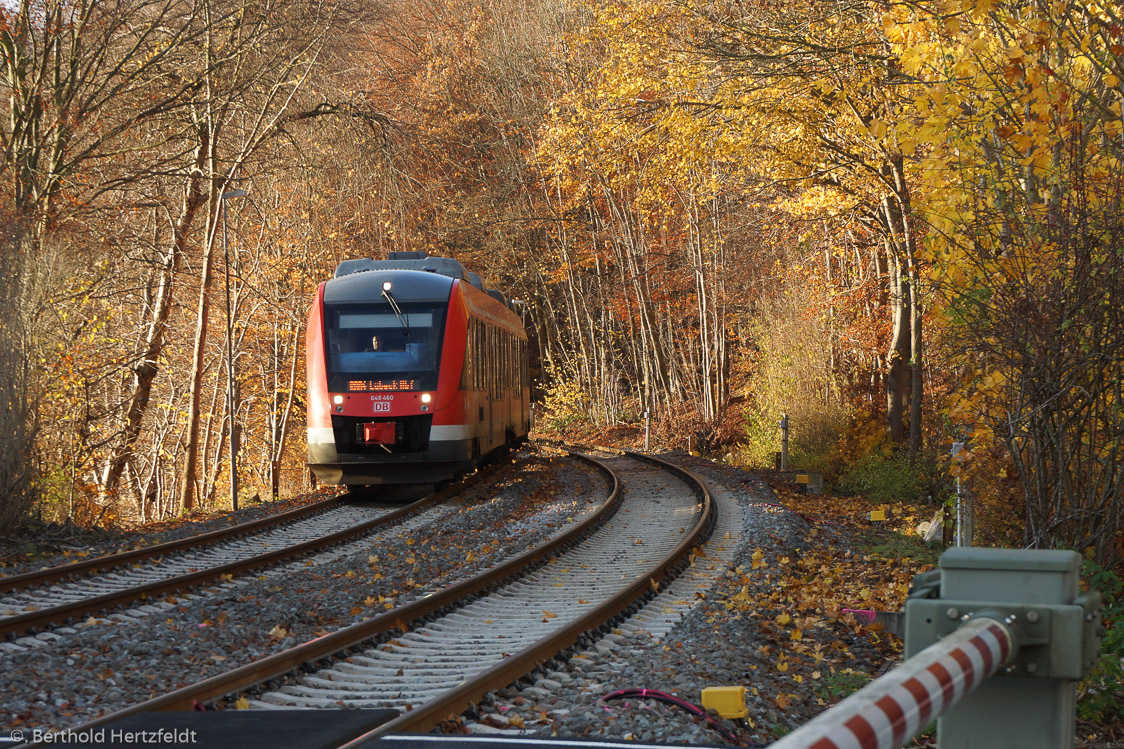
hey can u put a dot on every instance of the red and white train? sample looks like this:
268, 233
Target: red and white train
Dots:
416, 372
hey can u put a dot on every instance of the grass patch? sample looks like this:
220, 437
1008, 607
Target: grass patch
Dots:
890, 544
839, 685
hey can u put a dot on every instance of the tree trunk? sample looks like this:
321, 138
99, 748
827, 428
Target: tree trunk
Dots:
146, 369
202, 311
898, 353
909, 246
280, 429
195, 383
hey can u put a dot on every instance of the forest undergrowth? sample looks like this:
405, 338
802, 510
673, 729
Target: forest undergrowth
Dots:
875, 571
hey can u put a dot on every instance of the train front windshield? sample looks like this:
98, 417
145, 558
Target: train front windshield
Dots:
373, 348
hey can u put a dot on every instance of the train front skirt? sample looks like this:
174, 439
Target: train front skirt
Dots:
448, 455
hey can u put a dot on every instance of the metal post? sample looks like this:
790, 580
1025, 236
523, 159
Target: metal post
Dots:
784, 442
1004, 625
230, 355
1032, 705
962, 537
647, 430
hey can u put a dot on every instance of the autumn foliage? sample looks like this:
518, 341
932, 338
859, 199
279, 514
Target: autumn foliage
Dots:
898, 222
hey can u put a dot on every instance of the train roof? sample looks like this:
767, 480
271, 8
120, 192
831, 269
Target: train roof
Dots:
444, 266
347, 282
407, 285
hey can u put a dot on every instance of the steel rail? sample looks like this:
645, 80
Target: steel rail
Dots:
56, 614
63, 571
326, 646
429, 715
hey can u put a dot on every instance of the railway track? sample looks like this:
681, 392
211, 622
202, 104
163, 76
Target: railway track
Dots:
437, 655
53, 596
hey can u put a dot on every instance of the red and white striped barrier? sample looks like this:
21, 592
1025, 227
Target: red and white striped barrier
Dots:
895, 707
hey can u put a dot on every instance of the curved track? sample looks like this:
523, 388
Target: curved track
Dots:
488, 631
657, 511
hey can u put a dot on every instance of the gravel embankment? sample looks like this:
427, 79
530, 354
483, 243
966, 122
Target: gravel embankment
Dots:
75, 674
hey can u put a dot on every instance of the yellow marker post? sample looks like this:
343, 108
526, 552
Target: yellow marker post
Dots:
728, 702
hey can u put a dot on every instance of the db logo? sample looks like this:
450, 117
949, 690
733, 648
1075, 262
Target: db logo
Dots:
381, 406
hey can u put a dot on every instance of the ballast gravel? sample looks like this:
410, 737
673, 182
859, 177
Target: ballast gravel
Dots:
73, 674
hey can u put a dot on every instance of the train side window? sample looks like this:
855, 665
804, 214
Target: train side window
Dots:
492, 360
478, 349
466, 365
481, 343
475, 357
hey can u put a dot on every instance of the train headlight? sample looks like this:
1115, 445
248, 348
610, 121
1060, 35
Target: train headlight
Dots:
337, 399
386, 286
426, 397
